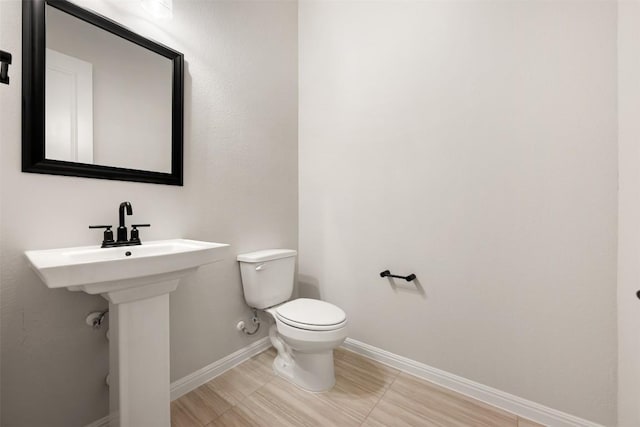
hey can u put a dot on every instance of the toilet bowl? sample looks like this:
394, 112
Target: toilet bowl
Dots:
308, 336
303, 331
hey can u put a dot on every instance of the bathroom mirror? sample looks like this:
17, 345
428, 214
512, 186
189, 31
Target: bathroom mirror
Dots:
99, 100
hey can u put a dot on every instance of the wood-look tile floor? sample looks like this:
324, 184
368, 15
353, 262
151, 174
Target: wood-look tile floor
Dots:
366, 393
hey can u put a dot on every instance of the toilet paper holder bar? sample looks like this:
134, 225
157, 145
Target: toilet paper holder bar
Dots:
409, 278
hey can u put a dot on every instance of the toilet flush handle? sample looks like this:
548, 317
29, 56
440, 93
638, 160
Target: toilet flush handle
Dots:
260, 267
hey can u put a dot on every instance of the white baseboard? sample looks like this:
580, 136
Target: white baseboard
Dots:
514, 404
102, 422
194, 380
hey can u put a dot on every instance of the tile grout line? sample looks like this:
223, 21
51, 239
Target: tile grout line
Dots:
230, 406
273, 377
243, 396
381, 397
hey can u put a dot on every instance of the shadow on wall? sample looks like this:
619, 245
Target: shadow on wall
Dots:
413, 287
308, 287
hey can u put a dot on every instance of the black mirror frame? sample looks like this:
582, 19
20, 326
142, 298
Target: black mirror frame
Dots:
33, 102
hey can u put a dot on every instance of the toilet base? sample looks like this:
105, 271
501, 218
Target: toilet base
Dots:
310, 371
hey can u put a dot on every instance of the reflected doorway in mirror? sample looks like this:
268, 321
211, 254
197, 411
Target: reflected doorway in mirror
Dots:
69, 106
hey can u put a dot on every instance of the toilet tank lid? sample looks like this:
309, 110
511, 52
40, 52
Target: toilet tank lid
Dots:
267, 255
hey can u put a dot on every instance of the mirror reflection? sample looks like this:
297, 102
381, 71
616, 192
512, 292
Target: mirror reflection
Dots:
108, 101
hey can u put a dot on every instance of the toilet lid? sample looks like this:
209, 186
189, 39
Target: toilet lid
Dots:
311, 312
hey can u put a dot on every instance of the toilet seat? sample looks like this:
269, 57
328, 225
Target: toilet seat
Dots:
310, 314
311, 327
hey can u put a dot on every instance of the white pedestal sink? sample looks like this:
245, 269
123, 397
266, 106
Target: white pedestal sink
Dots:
136, 280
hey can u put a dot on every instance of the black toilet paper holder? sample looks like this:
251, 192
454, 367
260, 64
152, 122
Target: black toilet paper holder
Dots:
409, 278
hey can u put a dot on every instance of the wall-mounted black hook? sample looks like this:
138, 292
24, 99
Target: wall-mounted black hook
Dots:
408, 278
5, 60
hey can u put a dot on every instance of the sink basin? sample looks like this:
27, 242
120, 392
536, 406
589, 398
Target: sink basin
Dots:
96, 270
136, 280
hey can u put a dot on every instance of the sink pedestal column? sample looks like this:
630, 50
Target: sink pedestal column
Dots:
139, 392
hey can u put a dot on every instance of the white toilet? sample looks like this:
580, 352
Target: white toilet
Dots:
305, 331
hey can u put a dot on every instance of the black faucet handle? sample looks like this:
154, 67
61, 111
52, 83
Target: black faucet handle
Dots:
108, 234
135, 235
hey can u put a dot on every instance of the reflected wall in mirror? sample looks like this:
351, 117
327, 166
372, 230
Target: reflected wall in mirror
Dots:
93, 73
100, 100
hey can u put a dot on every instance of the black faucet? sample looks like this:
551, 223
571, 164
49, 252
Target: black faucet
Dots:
107, 242
122, 229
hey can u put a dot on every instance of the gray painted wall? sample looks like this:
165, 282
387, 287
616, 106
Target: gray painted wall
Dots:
474, 144
511, 229
240, 188
629, 212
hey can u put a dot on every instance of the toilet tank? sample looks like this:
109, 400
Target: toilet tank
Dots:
267, 276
